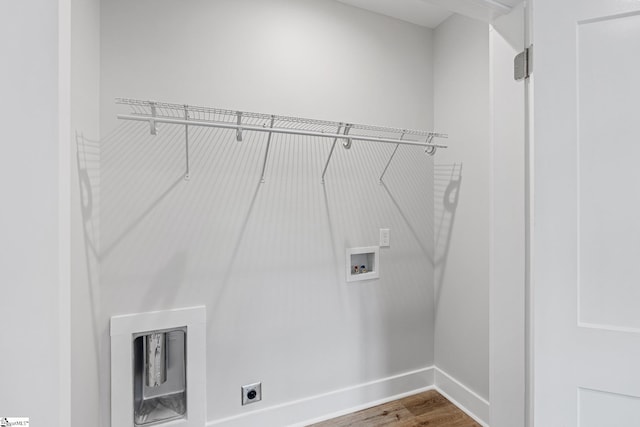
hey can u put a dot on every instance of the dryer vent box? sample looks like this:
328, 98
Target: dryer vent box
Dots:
158, 375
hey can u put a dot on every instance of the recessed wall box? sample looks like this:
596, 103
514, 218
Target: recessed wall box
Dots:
158, 372
362, 263
159, 376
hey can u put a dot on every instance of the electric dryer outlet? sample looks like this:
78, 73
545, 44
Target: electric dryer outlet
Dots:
251, 393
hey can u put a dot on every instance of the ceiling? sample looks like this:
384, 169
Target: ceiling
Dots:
418, 12
431, 13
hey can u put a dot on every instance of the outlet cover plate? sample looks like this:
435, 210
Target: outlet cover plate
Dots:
384, 237
247, 389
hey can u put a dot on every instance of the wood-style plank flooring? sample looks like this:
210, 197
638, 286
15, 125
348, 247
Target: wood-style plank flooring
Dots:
428, 409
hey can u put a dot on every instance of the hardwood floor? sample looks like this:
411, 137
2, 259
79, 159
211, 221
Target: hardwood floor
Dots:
428, 409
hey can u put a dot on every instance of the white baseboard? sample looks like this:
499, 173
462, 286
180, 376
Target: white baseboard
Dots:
336, 403
325, 406
463, 397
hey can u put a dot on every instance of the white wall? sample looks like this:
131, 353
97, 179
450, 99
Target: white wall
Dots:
479, 217
462, 202
507, 247
268, 260
85, 197
33, 271
372, 331
309, 58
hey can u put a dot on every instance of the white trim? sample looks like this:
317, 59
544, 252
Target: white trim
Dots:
64, 210
492, 211
606, 327
507, 271
335, 403
529, 226
496, 6
463, 397
155, 320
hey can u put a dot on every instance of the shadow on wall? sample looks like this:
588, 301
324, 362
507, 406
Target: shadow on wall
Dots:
447, 182
275, 249
427, 253
234, 253
88, 167
89, 157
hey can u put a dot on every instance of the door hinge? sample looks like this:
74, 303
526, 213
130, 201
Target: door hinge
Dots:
523, 64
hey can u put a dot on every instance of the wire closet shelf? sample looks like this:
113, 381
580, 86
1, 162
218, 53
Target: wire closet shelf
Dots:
242, 121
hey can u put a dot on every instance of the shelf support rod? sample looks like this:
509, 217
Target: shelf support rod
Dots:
187, 174
333, 146
390, 158
266, 152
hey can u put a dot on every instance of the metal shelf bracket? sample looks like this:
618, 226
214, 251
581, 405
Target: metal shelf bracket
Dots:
430, 149
347, 142
266, 151
187, 174
333, 146
152, 122
239, 130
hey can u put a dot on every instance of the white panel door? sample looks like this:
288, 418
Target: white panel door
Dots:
585, 241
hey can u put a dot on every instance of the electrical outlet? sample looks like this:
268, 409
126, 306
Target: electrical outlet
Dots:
251, 393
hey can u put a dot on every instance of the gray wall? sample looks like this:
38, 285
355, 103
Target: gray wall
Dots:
268, 260
85, 203
222, 240
33, 264
462, 202
507, 260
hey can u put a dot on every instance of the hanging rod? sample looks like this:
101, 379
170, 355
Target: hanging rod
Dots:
187, 115
278, 130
